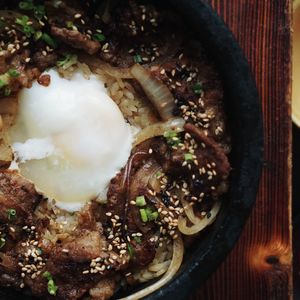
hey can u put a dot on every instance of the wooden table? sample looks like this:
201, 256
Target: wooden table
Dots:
259, 267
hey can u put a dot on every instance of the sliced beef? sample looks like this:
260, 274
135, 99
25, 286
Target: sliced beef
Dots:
213, 152
117, 194
18, 200
144, 252
197, 87
69, 260
25, 75
44, 61
66, 267
129, 184
76, 39
19, 194
9, 270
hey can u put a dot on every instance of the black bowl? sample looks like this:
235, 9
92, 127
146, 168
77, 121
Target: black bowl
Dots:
245, 119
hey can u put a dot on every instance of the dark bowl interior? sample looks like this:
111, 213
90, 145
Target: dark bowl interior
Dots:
245, 119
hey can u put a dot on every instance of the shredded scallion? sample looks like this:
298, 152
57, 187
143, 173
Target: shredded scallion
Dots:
13, 73
198, 88
140, 201
2, 242
137, 59
143, 215
188, 156
130, 250
99, 37
52, 288
11, 213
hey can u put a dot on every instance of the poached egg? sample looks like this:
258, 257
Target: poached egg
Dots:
70, 139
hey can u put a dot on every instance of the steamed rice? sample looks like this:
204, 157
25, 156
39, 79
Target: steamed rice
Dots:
134, 108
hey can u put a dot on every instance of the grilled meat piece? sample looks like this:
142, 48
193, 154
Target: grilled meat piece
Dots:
76, 39
18, 194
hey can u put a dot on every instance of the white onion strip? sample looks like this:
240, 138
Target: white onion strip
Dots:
156, 91
200, 225
158, 129
178, 250
189, 211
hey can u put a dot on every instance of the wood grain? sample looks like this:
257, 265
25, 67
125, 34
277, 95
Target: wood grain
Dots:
259, 267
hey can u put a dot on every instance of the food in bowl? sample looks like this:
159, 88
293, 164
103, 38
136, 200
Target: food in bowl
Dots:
114, 147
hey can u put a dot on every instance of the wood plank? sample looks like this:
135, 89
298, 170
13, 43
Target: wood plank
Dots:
259, 267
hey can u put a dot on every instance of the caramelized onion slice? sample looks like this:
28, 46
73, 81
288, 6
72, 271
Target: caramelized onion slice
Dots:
116, 72
178, 250
188, 209
156, 91
99, 65
200, 225
158, 129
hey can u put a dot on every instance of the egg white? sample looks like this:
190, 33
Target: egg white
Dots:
70, 139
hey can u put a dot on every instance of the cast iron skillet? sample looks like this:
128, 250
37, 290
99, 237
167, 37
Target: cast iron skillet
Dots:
245, 119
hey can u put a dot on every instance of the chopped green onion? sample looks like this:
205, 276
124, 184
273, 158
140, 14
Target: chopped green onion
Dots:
130, 250
2, 24
4, 80
13, 73
11, 213
137, 239
143, 214
2, 83
39, 251
188, 156
26, 28
7, 92
153, 216
48, 40
69, 24
137, 59
99, 37
47, 275
158, 174
140, 201
37, 35
198, 88
172, 137
170, 134
52, 288
22, 21
67, 61
26, 5
148, 214
38, 10
2, 242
